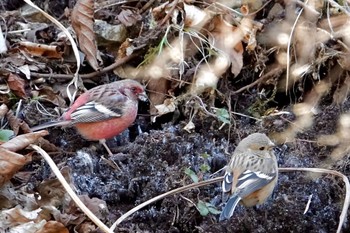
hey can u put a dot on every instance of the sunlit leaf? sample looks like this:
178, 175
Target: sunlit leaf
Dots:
5, 135
202, 208
223, 115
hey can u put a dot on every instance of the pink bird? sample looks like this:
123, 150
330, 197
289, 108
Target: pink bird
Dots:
103, 111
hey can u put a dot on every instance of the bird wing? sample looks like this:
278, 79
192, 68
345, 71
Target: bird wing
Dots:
250, 181
227, 182
230, 207
104, 109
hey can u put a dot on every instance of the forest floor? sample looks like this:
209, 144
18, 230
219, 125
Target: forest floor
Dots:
195, 117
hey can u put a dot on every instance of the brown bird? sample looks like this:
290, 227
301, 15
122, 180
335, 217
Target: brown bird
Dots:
251, 174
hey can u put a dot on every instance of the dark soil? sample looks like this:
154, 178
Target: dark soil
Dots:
155, 161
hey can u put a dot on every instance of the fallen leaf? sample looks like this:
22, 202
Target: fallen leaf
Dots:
22, 141
189, 127
228, 40
97, 206
53, 227
82, 18
195, 17
17, 85
51, 191
42, 50
158, 89
10, 161
129, 18
85, 227
25, 70
167, 107
3, 110
14, 122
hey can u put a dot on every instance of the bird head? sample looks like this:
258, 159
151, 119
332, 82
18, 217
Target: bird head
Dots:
134, 90
257, 143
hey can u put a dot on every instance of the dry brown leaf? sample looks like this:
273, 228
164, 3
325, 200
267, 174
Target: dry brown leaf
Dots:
10, 161
227, 39
22, 141
128, 18
195, 17
85, 227
53, 227
48, 94
17, 216
43, 50
82, 18
13, 121
157, 92
52, 192
342, 92
17, 85
97, 206
20, 220
28, 227
167, 107
65, 218
3, 110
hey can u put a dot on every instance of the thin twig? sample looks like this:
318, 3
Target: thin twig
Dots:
289, 43
272, 73
146, 6
170, 12
116, 64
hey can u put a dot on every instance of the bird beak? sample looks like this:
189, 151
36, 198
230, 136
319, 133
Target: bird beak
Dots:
271, 145
142, 96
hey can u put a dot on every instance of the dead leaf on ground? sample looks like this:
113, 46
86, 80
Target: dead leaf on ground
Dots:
22, 141
158, 89
129, 18
167, 107
13, 121
97, 206
43, 50
20, 220
85, 227
65, 218
10, 161
48, 94
228, 39
53, 227
52, 192
3, 110
17, 85
83, 23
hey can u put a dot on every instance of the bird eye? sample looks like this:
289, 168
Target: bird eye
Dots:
262, 148
133, 89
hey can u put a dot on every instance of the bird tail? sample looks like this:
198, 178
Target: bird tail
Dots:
230, 207
50, 124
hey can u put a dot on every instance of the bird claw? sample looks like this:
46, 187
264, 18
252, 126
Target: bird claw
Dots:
111, 163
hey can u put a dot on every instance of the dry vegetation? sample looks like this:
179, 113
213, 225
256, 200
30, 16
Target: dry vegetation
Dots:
215, 71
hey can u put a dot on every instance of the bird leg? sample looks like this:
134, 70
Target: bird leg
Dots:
108, 161
103, 142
